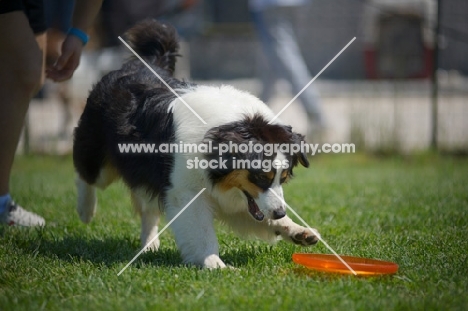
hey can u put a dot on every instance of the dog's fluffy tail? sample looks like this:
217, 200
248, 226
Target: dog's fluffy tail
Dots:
155, 42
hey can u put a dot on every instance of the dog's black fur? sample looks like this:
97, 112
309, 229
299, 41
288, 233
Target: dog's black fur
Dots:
130, 105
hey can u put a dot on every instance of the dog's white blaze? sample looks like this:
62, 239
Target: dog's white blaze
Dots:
268, 202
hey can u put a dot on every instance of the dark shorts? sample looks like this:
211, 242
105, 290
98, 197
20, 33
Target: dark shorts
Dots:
34, 10
58, 14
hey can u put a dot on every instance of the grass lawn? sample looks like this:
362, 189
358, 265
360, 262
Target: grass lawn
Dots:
413, 211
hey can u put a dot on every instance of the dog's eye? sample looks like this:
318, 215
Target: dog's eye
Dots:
284, 177
261, 180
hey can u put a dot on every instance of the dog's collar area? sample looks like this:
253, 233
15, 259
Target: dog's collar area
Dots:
253, 207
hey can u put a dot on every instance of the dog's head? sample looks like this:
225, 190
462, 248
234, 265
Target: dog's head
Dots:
255, 158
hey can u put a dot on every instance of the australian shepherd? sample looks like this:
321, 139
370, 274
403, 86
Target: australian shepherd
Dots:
133, 106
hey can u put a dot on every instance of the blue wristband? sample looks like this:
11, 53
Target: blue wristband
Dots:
79, 34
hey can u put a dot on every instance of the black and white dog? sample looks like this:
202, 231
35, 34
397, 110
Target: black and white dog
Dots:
132, 105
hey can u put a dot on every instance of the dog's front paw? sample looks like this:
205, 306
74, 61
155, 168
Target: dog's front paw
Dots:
151, 246
305, 238
213, 262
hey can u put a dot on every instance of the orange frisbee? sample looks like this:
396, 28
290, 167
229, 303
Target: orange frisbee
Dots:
330, 263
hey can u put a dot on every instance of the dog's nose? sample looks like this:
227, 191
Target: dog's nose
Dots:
279, 213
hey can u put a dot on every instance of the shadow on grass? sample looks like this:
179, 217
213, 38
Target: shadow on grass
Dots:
111, 251
238, 257
107, 251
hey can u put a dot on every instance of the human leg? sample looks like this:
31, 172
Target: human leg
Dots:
283, 53
21, 75
269, 79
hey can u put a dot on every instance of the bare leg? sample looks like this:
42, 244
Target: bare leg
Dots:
65, 101
21, 76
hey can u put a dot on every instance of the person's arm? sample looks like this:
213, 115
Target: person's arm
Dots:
84, 13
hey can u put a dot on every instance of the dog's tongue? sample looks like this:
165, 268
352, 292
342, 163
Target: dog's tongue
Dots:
253, 208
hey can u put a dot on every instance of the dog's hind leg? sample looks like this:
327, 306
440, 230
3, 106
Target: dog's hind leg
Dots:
86, 206
87, 201
148, 209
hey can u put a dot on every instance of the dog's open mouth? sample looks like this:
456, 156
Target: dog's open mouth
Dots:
253, 207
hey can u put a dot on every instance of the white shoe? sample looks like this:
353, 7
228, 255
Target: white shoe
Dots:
15, 215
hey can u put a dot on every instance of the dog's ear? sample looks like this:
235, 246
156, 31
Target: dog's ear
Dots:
302, 154
303, 159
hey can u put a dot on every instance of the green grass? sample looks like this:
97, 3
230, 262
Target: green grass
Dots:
413, 211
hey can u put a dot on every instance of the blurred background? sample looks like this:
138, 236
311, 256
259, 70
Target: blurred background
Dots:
400, 87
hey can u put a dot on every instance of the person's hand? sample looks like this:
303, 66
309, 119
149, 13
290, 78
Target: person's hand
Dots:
68, 61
